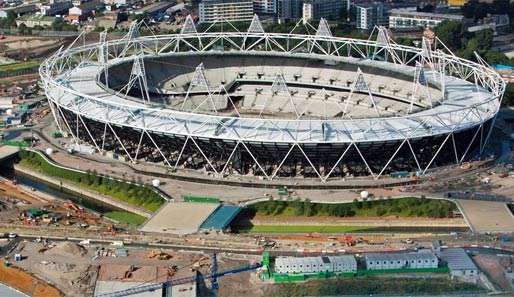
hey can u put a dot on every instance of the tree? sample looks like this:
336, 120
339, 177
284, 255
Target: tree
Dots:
508, 96
485, 38
308, 208
9, 21
450, 33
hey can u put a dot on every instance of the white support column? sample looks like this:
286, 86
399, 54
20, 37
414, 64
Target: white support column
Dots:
199, 83
181, 152
455, 149
414, 155
437, 153
157, 147
54, 114
310, 163
67, 125
103, 137
282, 162
229, 158
364, 160
203, 154
255, 160
470, 143
121, 143
392, 158
139, 144
337, 162
89, 133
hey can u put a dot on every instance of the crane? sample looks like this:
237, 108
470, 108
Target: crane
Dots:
213, 276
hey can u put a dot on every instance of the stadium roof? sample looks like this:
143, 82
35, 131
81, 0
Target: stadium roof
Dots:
99, 104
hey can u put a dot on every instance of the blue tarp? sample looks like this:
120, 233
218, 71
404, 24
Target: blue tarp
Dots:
220, 219
503, 67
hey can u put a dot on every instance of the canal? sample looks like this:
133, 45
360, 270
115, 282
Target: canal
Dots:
60, 193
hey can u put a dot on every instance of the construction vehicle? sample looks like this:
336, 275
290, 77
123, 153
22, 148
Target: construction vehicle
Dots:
202, 262
155, 254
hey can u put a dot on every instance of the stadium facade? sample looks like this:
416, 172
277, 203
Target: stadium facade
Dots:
274, 105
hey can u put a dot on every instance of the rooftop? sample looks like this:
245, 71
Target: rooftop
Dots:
221, 218
400, 256
411, 11
458, 259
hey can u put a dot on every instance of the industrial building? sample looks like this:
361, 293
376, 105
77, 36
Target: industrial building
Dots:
328, 9
225, 10
308, 265
414, 260
460, 264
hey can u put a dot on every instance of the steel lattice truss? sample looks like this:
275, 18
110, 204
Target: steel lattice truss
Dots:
76, 83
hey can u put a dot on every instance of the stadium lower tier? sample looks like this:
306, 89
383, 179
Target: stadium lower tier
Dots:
304, 160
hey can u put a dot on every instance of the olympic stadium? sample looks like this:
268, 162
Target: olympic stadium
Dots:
274, 105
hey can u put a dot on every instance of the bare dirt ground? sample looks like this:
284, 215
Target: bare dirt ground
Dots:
245, 284
65, 264
491, 265
74, 269
26, 283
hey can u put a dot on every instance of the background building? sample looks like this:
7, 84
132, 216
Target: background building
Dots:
409, 18
225, 10
55, 7
264, 7
289, 10
328, 9
367, 16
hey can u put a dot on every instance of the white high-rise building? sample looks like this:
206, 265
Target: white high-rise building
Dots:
264, 7
226, 10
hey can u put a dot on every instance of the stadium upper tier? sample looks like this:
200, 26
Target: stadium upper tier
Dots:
315, 88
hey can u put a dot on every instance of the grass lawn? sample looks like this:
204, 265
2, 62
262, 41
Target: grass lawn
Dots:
131, 193
19, 66
126, 217
401, 207
303, 229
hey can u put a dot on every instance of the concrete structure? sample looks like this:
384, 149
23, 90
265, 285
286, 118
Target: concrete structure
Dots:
370, 15
225, 10
180, 217
309, 265
409, 18
420, 259
33, 20
460, 264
